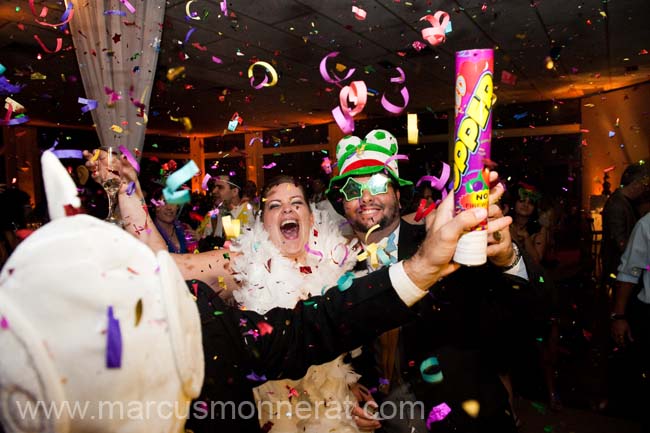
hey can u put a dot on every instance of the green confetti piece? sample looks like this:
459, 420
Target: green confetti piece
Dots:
541, 279
226, 256
548, 429
217, 313
155, 146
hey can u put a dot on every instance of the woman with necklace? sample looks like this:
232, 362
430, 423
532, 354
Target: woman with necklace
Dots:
178, 236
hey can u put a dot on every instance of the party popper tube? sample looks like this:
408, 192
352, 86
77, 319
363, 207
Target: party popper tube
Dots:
473, 132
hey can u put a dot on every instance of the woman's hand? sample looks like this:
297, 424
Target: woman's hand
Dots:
97, 163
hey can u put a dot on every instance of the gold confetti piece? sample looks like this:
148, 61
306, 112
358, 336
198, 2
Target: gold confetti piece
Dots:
471, 407
173, 73
340, 67
138, 312
116, 128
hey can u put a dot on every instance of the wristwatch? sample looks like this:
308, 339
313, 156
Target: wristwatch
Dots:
516, 260
615, 316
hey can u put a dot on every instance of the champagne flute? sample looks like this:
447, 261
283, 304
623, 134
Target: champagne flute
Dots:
111, 182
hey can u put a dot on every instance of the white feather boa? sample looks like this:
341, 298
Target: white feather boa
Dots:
270, 280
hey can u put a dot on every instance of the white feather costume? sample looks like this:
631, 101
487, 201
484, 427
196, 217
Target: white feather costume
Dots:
271, 280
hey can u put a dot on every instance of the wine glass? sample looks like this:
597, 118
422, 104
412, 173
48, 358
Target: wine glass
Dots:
111, 182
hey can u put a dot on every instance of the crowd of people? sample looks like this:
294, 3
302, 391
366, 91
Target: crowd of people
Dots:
327, 306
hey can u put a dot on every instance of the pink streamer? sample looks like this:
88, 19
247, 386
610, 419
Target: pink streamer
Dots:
326, 76
343, 120
401, 78
314, 252
262, 83
357, 93
216, 59
395, 109
128, 5
204, 183
435, 34
394, 157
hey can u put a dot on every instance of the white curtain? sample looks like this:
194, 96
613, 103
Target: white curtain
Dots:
118, 54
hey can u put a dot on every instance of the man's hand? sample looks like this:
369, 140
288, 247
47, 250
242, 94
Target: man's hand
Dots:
364, 420
432, 261
621, 331
499, 251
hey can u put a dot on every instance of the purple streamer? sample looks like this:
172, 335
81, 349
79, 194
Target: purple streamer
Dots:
254, 377
189, 33
68, 153
16, 121
113, 341
7, 88
114, 12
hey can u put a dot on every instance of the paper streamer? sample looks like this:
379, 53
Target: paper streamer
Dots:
435, 35
429, 377
89, 104
401, 78
65, 18
129, 157
127, 5
357, 93
265, 83
394, 157
224, 7
438, 413
7, 88
314, 252
343, 120
176, 180
114, 12
359, 13
68, 153
437, 183
268, 166
59, 45
113, 341
421, 212
395, 109
332, 78
188, 34
345, 281
204, 183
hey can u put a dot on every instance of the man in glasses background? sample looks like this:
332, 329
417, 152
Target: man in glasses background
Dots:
367, 192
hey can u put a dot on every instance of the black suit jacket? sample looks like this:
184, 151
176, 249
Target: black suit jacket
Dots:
239, 350
460, 322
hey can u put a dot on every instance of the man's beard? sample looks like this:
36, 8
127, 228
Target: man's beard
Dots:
385, 221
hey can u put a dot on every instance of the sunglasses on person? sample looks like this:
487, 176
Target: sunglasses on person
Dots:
377, 184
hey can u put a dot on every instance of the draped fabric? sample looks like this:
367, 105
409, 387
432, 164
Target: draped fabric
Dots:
117, 53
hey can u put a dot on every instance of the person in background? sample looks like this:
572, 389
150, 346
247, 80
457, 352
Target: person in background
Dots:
226, 192
179, 237
631, 316
620, 213
249, 195
525, 220
423, 192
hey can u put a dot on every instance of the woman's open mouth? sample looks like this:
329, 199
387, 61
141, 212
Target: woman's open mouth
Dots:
290, 229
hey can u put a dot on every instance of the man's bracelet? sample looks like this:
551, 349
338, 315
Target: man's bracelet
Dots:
516, 260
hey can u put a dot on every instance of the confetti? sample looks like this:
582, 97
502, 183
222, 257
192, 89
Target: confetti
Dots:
430, 364
359, 13
435, 35
265, 83
175, 180
438, 413
4, 323
138, 312
325, 74
89, 104
113, 341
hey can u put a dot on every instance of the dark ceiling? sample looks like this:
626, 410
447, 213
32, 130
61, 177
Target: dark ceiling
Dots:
598, 45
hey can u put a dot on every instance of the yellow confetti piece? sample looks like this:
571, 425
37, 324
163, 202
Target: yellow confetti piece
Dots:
471, 407
116, 128
340, 67
38, 76
173, 73
231, 227
372, 229
95, 156
222, 282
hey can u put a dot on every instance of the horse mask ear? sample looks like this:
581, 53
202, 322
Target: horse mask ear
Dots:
60, 190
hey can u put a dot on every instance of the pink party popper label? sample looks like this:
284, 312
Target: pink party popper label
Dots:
473, 132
